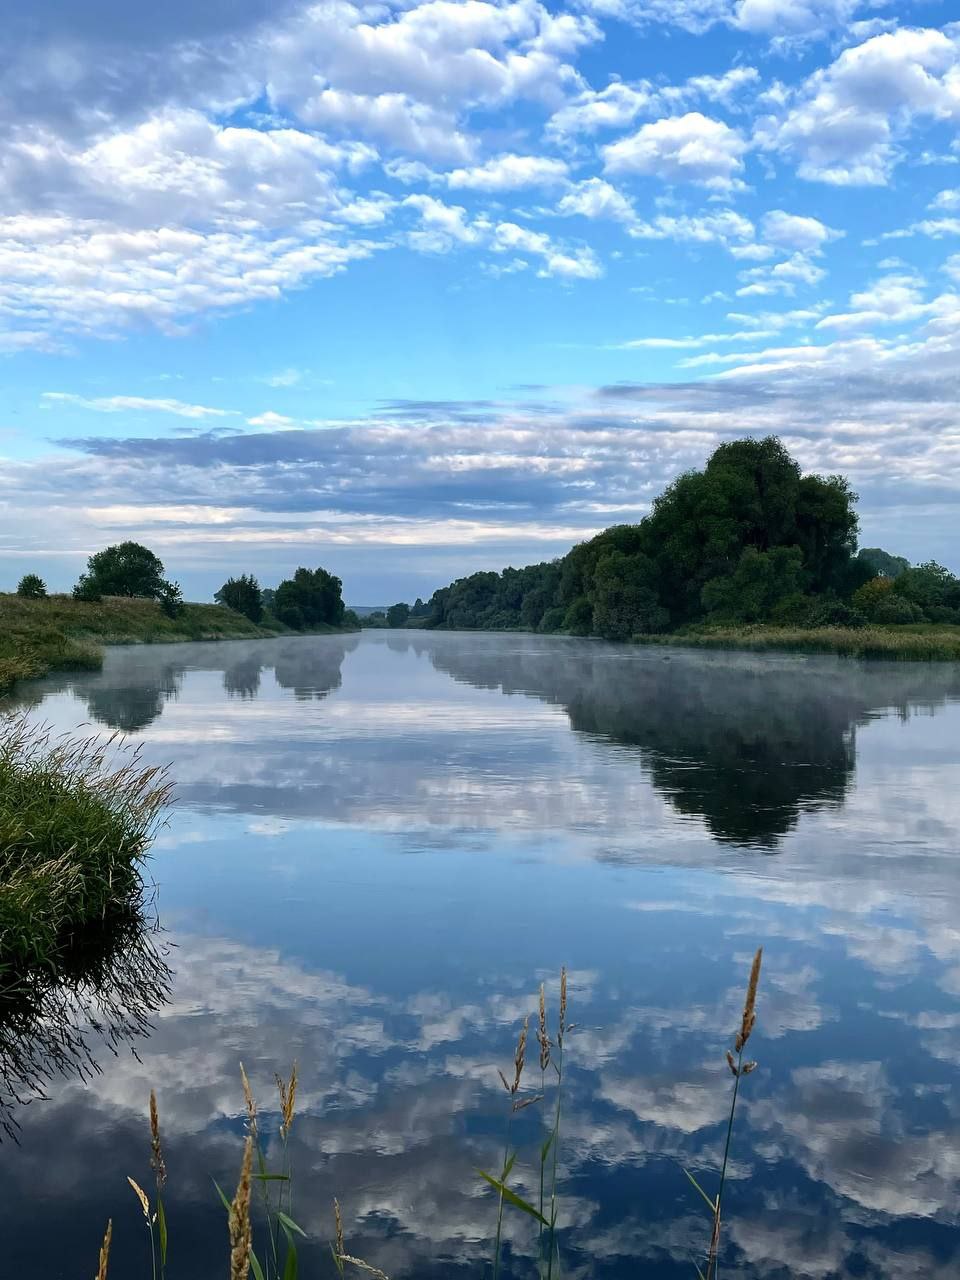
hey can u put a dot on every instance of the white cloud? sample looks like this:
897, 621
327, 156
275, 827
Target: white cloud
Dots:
137, 404
895, 299
508, 173
846, 122
689, 148
783, 277
793, 231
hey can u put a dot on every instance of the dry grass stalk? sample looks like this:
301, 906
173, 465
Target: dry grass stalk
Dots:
142, 1197
364, 1266
240, 1234
250, 1101
288, 1099
105, 1251
338, 1226
563, 1006
748, 1022
156, 1151
542, 1038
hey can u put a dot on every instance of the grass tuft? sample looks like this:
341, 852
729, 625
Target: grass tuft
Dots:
920, 643
76, 819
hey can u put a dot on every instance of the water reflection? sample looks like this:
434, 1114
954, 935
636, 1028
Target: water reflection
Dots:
382, 844
108, 987
745, 743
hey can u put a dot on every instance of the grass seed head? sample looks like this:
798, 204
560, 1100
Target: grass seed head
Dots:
542, 1038
338, 1224
563, 1006
520, 1056
749, 1019
105, 1251
142, 1197
156, 1150
240, 1235
250, 1101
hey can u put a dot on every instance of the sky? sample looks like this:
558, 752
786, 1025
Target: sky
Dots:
409, 290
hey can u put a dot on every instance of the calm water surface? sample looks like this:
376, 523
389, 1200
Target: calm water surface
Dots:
381, 846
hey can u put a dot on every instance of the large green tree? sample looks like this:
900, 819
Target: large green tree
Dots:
311, 598
126, 569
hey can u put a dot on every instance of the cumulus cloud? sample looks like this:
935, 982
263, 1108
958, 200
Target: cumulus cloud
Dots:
509, 172
846, 123
689, 148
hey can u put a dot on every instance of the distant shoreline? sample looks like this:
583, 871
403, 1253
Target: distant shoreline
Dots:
58, 633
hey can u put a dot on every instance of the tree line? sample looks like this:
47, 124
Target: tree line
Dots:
748, 539
311, 598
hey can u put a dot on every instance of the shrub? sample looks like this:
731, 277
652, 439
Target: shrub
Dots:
834, 613
895, 609
869, 597
32, 587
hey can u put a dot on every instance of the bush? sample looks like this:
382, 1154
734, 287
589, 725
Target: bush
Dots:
944, 614
32, 587
834, 613
794, 610
171, 599
87, 589
869, 597
895, 609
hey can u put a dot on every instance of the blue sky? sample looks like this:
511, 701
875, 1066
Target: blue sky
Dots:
408, 290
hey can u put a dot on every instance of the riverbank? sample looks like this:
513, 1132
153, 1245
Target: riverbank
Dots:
62, 634
77, 817
919, 643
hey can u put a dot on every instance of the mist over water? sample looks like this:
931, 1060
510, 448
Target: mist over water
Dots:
383, 843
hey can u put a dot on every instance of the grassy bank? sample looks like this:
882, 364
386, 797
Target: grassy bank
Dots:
76, 818
919, 643
63, 634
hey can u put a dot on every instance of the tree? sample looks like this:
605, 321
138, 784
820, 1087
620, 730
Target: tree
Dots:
883, 562
761, 581
243, 595
32, 587
127, 569
624, 597
930, 586
171, 599
397, 615
311, 598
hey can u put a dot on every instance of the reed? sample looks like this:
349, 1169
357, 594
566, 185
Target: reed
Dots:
921, 643
281, 1230
740, 1069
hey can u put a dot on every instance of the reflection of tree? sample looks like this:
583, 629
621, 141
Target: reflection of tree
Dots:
135, 684
311, 666
106, 989
745, 743
241, 679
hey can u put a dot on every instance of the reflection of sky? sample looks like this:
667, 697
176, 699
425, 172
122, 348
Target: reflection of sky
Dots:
378, 852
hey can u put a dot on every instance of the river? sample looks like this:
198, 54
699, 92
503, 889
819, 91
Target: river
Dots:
382, 844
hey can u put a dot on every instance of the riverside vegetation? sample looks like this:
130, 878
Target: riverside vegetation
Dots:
123, 598
261, 1236
749, 552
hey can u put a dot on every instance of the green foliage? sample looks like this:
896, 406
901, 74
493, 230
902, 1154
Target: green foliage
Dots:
760, 583
126, 569
882, 562
929, 586
397, 615
32, 587
311, 598
578, 619
170, 599
747, 539
243, 595
624, 596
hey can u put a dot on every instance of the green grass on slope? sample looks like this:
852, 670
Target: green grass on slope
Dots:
63, 634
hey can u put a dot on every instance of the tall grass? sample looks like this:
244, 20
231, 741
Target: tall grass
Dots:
930, 643
273, 1225
76, 817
